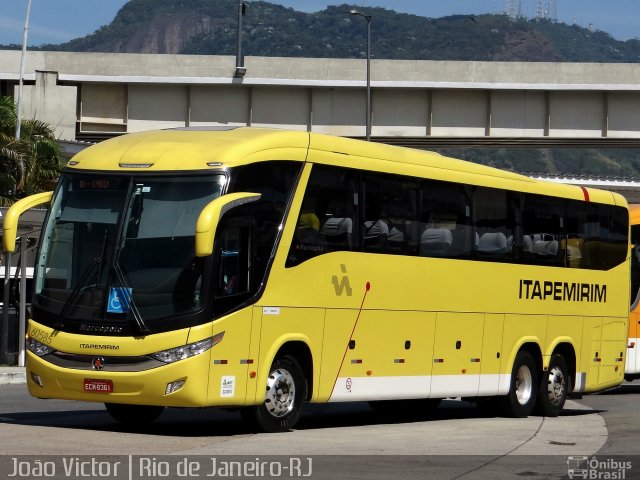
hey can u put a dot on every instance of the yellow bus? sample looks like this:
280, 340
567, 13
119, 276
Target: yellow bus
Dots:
258, 269
632, 366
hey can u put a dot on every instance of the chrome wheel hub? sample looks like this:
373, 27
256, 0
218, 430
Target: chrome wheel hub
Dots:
281, 392
556, 386
524, 385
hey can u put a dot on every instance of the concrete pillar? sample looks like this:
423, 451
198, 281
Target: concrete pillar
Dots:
51, 103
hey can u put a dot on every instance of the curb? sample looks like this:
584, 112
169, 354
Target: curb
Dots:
12, 375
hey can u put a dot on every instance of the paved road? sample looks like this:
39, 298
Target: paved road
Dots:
346, 440
620, 408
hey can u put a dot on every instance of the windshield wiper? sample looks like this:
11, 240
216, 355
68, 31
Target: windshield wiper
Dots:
130, 225
75, 293
103, 253
143, 329
80, 286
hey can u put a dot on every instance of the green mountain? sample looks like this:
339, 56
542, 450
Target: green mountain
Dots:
618, 163
209, 27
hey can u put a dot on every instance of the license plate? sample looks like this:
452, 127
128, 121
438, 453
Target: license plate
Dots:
98, 386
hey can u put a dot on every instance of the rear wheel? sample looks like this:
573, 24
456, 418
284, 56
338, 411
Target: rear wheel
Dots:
521, 399
133, 414
554, 387
286, 391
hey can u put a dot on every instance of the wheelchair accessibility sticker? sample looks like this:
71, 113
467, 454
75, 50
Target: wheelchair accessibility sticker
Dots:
119, 300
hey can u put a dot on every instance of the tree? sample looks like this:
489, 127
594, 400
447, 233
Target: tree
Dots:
30, 164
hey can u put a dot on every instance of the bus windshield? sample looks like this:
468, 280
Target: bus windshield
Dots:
117, 245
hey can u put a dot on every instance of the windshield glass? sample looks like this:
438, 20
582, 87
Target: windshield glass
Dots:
114, 243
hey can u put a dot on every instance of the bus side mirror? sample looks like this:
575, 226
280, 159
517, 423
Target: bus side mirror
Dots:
10, 225
210, 217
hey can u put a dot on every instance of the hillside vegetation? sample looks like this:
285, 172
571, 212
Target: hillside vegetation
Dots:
209, 27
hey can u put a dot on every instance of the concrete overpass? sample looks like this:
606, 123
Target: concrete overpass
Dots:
90, 96
423, 104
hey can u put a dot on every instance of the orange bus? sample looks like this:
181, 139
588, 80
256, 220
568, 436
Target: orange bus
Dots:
632, 368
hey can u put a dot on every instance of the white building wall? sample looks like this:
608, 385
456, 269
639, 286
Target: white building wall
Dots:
459, 113
400, 113
50, 103
623, 115
157, 106
220, 105
103, 107
576, 114
518, 114
280, 107
339, 111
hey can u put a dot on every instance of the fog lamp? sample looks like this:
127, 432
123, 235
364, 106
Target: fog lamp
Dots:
174, 386
36, 378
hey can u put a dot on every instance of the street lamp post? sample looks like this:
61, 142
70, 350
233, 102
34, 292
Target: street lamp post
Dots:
25, 32
368, 118
4, 324
240, 68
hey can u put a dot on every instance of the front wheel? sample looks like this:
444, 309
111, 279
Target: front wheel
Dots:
286, 391
133, 414
521, 399
554, 387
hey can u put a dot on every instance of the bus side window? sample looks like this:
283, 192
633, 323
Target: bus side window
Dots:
390, 210
328, 217
635, 264
606, 237
446, 220
237, 275
542, 219
574, 233
234, 252
494, 224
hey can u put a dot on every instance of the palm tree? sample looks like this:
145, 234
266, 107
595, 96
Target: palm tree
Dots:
30, 164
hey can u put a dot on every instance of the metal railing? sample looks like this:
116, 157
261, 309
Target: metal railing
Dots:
14, 309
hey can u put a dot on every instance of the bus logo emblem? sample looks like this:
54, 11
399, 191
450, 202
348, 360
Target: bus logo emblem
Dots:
343, 284
98, 363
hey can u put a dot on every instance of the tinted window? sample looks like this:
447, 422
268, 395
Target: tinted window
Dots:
390, 214
605, 237
328, 219
542, 219
407, 216
494, 223
445, 220
246, 237
275, 182
635, 264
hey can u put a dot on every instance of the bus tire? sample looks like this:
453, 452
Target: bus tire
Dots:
521, 399
554, 387
133, 414
286, 391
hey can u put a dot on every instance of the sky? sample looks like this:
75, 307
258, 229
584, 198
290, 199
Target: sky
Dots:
57, 21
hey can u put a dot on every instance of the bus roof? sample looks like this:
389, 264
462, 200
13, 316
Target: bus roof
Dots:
212, 148
191, 149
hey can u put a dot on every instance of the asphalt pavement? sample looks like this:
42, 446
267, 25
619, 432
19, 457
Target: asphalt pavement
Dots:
579, 429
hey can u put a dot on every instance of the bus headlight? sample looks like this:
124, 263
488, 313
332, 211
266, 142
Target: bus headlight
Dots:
187, 351
40, 349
